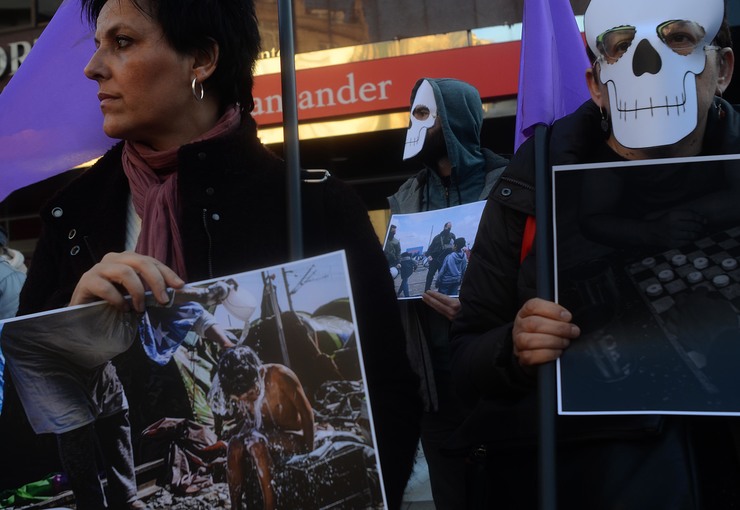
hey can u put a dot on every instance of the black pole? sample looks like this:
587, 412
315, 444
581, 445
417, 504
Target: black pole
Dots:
290, 129
278, 314
287, 290
545, 290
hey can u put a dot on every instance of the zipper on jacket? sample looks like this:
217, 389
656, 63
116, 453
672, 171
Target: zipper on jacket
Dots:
517, 182
209, 248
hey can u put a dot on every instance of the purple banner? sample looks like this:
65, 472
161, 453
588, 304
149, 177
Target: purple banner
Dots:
552, 68
50, 119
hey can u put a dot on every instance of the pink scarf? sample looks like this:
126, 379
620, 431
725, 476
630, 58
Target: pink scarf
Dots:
152, 177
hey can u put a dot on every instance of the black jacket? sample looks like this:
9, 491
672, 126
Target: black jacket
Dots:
488, 375
234, 219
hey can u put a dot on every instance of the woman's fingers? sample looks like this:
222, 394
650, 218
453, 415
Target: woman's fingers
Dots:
127, 273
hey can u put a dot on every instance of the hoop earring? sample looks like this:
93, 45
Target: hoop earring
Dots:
604, 120
199, 94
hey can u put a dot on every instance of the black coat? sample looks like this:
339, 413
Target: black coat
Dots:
603, 461
234, 219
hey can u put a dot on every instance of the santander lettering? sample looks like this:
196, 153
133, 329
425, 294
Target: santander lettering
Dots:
324, 97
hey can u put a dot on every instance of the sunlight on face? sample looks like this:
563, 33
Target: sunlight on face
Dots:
144, 84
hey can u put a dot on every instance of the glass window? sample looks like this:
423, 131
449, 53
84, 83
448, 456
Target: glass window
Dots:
15, 13
47, 8
323, 24
26, 13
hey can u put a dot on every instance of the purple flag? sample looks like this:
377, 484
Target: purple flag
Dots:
50, 118
552, 67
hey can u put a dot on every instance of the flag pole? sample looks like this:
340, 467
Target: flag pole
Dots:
291, 149
551, 85
545, 290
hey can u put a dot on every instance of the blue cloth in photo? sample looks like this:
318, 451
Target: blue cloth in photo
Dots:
163, 329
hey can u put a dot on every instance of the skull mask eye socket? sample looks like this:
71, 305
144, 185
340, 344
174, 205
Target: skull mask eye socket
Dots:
681, 36
421, 112
615, 42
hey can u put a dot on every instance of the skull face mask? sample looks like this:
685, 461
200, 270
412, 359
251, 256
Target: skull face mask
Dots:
423, 116
649, 54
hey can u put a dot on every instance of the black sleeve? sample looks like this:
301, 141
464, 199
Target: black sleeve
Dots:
393, 386
483, 363
494, 287
45, 287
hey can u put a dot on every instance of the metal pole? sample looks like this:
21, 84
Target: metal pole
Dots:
287, 290
545, 290
272, 296
290, 129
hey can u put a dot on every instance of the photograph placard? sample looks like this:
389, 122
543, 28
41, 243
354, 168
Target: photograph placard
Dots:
429, 250
646, 259
269, 370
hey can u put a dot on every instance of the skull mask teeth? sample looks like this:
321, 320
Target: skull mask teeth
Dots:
649, 66
423, 101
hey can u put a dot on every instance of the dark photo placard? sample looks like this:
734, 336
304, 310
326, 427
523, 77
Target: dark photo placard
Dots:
647, 258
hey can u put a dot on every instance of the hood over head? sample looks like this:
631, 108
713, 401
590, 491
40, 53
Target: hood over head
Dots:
460, 110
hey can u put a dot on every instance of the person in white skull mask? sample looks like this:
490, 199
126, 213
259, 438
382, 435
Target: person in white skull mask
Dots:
443, 140
658, 78
658, 72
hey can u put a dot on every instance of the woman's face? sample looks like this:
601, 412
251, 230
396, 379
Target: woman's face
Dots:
144, 84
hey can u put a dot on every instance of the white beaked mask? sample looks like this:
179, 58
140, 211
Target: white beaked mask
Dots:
423, 101
649, 53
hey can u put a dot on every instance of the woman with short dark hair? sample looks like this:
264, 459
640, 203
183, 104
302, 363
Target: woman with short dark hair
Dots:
190, 193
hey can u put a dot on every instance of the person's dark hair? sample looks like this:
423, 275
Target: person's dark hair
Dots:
723, 39
238, 370
190, 25
460, 243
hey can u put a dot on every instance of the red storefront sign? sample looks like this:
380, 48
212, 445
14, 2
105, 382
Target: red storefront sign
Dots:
385, 84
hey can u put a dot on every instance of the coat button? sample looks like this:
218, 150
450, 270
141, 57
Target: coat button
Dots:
202, 156
506, 192
57, 212
215, 217
72, 234
75, 250
210, 191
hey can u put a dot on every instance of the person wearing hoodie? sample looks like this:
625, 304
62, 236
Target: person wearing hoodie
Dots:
444, 138
453, 269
